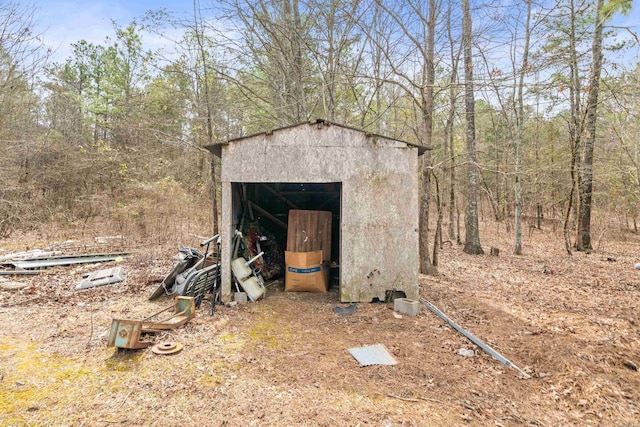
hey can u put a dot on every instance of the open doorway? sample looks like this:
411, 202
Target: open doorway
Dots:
264, 208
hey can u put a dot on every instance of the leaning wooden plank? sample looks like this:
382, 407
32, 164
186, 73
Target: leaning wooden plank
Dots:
310, 231
280, 196
268, 215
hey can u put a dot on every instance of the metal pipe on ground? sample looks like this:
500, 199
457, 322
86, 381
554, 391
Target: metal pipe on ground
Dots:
34, 263
18, 273
500, 358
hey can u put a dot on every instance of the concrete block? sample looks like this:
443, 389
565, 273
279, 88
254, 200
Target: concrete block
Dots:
240, 297
406, 306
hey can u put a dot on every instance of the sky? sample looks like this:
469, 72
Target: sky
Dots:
67, 21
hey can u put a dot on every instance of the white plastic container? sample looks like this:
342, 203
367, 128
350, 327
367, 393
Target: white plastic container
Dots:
252, 285
240, 268
253, 288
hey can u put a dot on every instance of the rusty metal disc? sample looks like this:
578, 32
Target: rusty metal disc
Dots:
168, 347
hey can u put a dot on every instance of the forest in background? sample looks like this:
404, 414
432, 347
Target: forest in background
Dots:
524, 106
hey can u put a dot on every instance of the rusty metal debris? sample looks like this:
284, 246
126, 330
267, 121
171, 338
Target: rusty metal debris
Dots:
499, 357
44, 262
18, 273
373, 355
125, 333
199, 282
100, 278
166, 348
345, 311
33, 253
192, 276
184, 310
187, 259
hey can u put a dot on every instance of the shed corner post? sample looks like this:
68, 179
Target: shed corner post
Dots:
226, 235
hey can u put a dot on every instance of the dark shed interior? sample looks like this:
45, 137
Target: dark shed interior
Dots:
268, 205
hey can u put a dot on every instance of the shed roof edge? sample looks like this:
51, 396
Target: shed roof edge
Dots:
216, 149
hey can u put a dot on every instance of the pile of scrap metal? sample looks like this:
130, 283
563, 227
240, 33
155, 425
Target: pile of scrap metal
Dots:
195, 274
244, 274
32, 262
257, 240
125, 333
44, 260
31, 253
108, 276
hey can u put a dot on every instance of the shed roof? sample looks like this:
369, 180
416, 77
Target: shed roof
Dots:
217, 147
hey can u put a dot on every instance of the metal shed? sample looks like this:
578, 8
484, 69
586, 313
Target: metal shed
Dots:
368, 182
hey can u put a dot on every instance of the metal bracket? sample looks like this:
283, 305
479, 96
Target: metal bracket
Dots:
126, 333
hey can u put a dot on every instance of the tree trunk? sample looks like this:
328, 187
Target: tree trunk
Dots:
517, 250
472, 230
426, 267
209, 118
301, 113
583, 242
448, 142
575, 127
437, 241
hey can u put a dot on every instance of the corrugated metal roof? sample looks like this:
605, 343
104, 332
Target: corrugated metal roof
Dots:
217, 147
373, 355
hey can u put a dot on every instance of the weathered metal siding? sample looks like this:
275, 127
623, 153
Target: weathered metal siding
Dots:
379, 219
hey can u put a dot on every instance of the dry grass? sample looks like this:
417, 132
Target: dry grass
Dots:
570, 321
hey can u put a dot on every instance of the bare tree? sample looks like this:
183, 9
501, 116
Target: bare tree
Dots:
517, 248
204, 79
337, 54
583, 241
22, 58
277, 76
575, 120
416, 22
472, 230
449, 152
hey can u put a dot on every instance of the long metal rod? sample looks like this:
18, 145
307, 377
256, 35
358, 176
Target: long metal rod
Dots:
55, 261
474, 340
98, 255
18, 273
209, 240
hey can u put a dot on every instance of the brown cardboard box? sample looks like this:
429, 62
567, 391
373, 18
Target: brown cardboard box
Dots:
305, 272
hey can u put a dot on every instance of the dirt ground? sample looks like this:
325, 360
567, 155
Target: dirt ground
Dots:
571, 322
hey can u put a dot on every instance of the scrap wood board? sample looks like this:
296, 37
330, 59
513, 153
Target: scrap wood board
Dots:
309, 231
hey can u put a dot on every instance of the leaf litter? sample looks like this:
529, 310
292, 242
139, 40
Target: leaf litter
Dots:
569, 321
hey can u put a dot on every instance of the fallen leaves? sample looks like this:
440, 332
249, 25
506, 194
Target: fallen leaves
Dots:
282, 361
